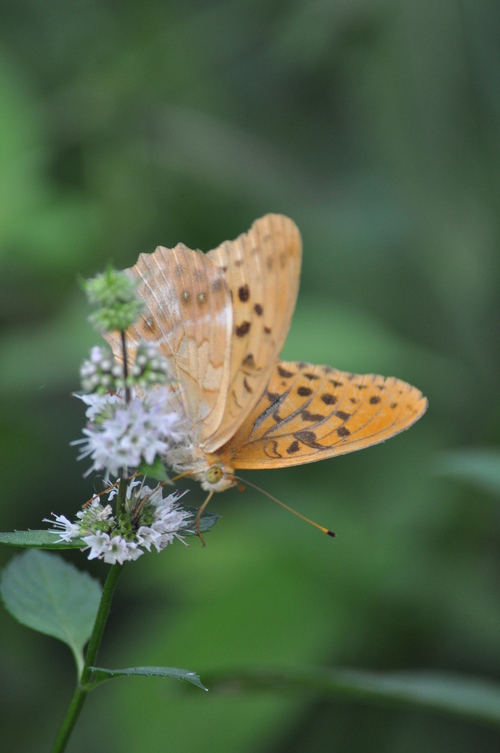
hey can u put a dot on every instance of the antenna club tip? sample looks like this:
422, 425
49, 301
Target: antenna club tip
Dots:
332, 534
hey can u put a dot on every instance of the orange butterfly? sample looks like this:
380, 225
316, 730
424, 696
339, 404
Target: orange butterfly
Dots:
221, 320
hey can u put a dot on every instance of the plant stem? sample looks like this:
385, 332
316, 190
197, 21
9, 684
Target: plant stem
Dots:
125, 366
84, 684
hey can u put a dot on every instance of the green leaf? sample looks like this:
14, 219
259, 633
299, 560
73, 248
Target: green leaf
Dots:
38, 540
157, 471
102, 675
479, 467
207, 521
47, 594
474, 698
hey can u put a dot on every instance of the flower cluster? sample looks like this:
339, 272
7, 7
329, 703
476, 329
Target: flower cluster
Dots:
101, 373
152, 521
114, 293
122, 435
131, 423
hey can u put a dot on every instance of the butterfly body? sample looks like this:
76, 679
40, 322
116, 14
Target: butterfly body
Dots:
221, 319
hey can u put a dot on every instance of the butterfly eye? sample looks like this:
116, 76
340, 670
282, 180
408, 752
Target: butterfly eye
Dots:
214, 474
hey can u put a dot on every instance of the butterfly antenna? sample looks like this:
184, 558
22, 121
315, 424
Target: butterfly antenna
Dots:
290, 509
200, 513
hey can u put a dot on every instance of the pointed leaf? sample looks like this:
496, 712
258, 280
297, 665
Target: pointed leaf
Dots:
38, 540
207, 521
157, 471
47, 594
177, 674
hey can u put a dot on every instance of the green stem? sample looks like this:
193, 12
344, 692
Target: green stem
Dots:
84, 684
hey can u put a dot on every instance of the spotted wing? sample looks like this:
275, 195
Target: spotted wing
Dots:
308, 413
262, 271
188, 313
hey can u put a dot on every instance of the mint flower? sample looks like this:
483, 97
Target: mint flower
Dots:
153, 521
122, 435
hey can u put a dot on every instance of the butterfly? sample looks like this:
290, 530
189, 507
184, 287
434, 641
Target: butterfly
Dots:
221, 319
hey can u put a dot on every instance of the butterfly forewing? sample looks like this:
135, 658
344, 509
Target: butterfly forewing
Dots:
188, 313
308, 413
262, 271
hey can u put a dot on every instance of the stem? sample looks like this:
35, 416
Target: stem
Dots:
125, 366
84, 684
121, 499
122, 490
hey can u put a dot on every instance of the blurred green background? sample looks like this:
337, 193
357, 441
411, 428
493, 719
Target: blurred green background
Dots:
374, 124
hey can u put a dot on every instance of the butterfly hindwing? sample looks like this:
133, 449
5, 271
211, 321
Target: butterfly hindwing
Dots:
309, 412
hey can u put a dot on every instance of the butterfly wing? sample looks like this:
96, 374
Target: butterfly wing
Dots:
220, 319
262, 271
188, 313
308, 413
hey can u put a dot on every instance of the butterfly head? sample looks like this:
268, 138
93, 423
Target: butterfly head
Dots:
217, 478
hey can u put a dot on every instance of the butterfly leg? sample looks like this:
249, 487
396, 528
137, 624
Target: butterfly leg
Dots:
200, 513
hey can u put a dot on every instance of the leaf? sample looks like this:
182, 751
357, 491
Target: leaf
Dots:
47, 594
207, 521
475, 698
177, 674
157, 471
480, 467
38, 539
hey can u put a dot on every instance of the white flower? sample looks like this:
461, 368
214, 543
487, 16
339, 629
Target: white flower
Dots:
99, 544
147, 536
125, 434
63, 527
155, 520
98, 404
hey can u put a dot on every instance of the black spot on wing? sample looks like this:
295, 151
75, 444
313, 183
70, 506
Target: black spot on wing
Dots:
244, 293
328, 399
336, 383
285, 373
315, 417
294, 447
249, 361
309, 438
342, 415
242, 329
304, 391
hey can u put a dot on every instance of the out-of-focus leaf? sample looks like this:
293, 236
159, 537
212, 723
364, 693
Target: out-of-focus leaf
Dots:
475, 698
479, 467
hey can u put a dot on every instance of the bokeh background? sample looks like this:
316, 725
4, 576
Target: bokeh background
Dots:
374, 124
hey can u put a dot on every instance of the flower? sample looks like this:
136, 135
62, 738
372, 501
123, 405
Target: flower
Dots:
152, 521
100, 372
122, 435
64, 527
